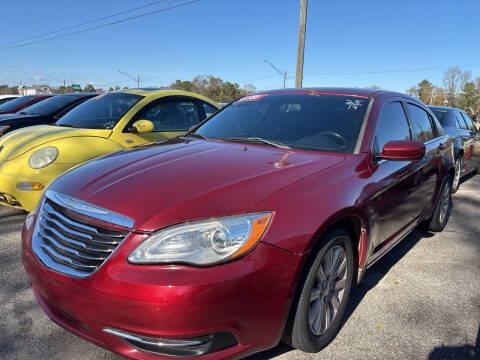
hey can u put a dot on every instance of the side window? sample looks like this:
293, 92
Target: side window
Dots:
170, 116
209, 109
470, 125
392, 124
421, 123
460, 121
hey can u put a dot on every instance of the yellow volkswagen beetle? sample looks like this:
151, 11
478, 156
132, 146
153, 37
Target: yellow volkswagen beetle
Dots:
31, 157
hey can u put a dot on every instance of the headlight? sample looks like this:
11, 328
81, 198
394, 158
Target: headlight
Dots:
43, 157
203, 242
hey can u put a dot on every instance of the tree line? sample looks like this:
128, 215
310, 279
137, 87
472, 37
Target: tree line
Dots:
459, 89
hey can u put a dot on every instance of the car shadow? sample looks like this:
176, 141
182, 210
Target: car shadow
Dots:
372, 277
467, 177
464, 352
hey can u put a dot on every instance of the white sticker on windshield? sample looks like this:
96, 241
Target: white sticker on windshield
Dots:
353, 104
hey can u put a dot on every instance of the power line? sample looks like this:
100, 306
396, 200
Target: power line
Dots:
100, 26
82, 24
387, 71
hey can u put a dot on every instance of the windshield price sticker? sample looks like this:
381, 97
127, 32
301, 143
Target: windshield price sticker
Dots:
256, 97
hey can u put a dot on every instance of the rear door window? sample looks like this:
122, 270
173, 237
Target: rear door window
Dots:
468, 122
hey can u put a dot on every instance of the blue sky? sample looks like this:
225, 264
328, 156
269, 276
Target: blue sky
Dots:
391, 44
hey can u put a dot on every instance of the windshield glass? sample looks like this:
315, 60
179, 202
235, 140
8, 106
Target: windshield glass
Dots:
322, 122
51, 105
441, 116
15, 103
101, 112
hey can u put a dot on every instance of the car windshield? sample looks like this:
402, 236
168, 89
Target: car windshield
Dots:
441, 116
51, 105
15, 103
101, 112
322, 122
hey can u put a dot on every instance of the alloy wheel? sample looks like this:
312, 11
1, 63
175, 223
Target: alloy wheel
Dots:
444, 203
456, 176
328, 290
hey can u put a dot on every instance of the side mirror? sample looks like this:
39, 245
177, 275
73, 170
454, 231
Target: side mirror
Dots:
142, 126
402, 150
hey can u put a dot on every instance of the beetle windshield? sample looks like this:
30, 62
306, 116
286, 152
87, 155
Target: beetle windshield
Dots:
322, 122
101, 112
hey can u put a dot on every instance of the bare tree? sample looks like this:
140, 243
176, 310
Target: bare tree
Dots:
453, 80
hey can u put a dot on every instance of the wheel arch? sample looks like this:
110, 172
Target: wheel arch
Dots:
356, 228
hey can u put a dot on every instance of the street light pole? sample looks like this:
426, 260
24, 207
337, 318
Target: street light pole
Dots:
301, 43
282, 74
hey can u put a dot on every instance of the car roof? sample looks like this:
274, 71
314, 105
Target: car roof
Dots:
362, 92
445, 108
159, 92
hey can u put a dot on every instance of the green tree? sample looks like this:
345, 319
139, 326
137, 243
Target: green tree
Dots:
469, 99
212, 87
89, 88
425, 91
183, 85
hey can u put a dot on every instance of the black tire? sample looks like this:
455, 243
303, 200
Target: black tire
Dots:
443, 208
323, 294
457, 175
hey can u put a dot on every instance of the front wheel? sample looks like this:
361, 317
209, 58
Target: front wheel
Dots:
323, 298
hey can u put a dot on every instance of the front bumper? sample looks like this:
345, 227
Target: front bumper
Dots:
242, 305
18, 171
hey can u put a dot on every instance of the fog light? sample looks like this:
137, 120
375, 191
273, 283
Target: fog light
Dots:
195, 346
30, 186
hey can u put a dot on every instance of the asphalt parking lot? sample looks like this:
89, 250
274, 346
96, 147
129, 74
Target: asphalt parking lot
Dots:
421, 301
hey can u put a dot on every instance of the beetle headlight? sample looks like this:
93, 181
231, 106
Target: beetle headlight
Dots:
43, 157
203, 242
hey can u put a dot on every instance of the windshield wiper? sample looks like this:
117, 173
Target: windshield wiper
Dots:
196, 135
66, 125
256, 140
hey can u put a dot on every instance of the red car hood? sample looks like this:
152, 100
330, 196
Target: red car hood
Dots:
182, 180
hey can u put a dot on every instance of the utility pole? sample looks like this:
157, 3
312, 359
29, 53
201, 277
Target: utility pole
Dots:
282, 74
137, 79
301, 43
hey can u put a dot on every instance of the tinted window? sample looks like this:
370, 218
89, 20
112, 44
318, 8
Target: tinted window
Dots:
100, 112
209, 109
460, 121
392, 125
316, 122
441, 115
4, 100
421, 123
469, 122
176, 114
51, 105
15, 103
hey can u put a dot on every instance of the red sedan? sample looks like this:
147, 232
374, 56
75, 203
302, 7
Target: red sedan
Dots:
248, 231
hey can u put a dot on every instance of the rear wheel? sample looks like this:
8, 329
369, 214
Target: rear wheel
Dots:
323, 297
457, 175
442, 210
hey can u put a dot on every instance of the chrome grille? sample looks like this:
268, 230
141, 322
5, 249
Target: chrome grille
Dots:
74, 237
